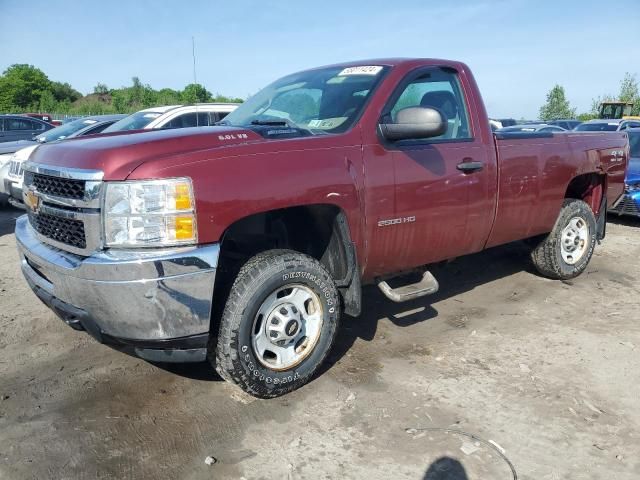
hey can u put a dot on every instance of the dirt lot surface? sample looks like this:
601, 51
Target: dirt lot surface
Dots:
543, 374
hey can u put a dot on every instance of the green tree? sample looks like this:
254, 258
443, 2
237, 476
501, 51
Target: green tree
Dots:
64, 91
21, 87
629, 92
48, 102
120, 99
168, 96
224, 99
101, 89
24, 87
583, 117
557, 105
195, 93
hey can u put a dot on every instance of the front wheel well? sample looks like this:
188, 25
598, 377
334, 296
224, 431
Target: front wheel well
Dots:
320, 231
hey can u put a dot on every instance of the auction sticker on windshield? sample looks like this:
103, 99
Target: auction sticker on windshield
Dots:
362, 70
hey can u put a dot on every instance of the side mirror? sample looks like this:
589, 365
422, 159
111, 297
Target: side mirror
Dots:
414, 123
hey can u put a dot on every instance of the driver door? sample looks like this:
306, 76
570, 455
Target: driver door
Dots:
442, 210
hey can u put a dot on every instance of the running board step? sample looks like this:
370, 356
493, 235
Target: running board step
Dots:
427, 286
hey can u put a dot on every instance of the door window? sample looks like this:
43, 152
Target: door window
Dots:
438, 88
97, 129
189, 120
20, 124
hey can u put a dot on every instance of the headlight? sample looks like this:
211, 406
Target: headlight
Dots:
633, 187
149, 213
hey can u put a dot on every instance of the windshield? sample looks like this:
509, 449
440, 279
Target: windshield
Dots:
597, 127
634, 143
135, 121
65, 130
326, 100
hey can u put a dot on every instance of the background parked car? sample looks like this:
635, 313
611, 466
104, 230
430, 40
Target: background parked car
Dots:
629, 203
611, 125
532, 127
83, 126
174, 116
11, 173
506, 122
566, 124
19, 127
45, 117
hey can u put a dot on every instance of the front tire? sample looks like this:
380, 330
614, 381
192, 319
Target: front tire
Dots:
567, 250
278, 324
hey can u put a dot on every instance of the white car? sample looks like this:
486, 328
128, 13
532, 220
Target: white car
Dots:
12, 178
174, 116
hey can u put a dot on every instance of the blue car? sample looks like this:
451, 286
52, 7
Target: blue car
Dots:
629, 203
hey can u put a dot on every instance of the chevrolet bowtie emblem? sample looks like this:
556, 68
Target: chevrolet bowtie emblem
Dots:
31, 200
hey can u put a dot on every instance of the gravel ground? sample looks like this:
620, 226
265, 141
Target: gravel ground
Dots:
500, 368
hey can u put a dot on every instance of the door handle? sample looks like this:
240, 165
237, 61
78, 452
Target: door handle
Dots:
470, 166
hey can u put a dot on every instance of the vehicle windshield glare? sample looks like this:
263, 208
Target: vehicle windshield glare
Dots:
64, 131
325, 100
134, 121
597, 127
634, 144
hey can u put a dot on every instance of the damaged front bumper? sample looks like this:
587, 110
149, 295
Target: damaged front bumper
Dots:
155, 304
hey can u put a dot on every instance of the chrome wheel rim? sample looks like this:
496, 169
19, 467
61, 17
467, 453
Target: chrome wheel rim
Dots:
287, 327
574, 240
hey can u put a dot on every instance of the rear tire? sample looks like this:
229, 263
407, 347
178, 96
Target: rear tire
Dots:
278, 325
567, 250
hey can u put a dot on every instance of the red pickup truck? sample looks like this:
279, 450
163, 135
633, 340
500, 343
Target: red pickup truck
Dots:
244, 242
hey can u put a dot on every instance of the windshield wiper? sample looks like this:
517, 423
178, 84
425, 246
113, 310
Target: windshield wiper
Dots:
282, 123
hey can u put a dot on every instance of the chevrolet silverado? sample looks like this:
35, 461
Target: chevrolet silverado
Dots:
244, 243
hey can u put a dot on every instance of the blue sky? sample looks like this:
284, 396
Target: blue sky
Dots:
518, 49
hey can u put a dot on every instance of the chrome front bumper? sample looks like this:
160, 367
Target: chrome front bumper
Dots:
156, 301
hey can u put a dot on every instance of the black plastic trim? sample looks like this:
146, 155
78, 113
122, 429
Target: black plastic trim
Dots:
522, 135
601, 221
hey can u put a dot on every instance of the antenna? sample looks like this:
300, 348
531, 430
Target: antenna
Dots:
195, 79
193, 52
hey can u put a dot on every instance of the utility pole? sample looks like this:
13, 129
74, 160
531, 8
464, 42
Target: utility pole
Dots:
193, 52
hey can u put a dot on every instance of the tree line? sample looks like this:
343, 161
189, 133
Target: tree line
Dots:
25, 88
558, 107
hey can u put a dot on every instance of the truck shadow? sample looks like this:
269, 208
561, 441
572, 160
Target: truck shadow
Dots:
625, 221
8, 217
455, 277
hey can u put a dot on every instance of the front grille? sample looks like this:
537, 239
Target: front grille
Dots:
60, 229
58, 187
627, 206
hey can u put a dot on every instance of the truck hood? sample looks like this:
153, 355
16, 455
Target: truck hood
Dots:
118, 154
633, 170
